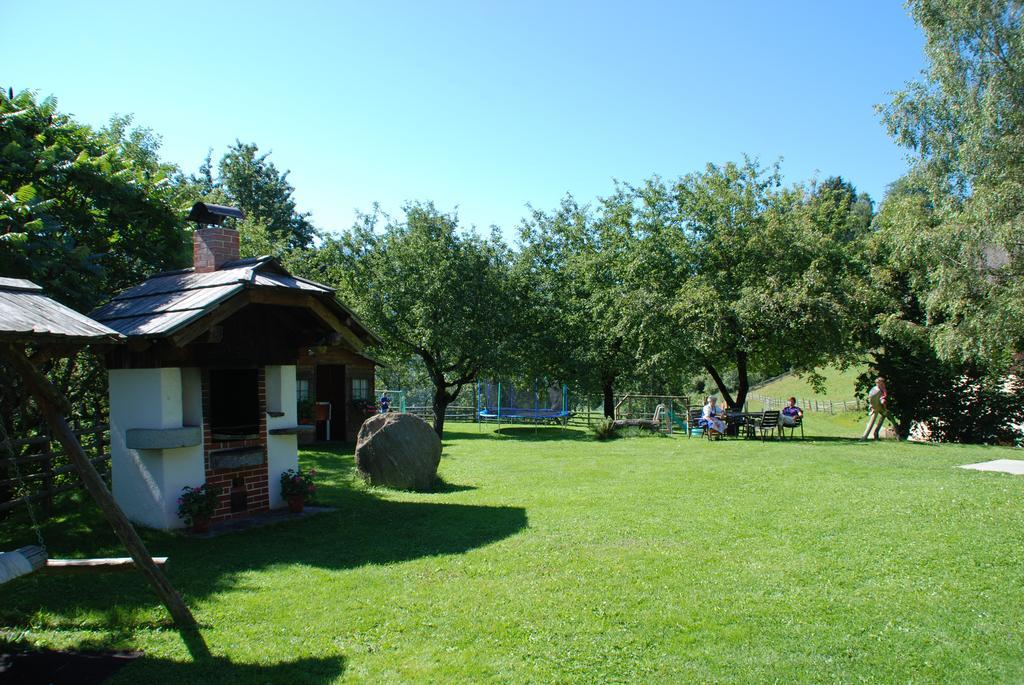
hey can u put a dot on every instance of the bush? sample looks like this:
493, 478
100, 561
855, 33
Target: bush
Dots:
604, 429
956, 402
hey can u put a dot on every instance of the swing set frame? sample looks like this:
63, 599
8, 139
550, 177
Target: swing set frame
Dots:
29, 319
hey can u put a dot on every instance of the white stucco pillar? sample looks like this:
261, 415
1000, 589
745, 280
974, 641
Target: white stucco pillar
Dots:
282, 450
154, 452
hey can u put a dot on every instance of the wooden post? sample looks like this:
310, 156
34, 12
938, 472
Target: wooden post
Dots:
54, 407
47, 502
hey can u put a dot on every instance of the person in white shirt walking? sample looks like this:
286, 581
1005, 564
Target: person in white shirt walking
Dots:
878, 400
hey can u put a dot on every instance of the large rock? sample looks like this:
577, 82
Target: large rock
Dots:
398, 451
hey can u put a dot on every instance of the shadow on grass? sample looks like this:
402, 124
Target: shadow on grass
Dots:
225, 672
525, 433
365, 529
82, 667
443, 486
843, 440
89, 663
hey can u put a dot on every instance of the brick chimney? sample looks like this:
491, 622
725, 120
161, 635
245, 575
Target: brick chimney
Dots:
212, 243
212, 246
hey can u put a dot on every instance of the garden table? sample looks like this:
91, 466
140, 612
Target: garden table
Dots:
747, 419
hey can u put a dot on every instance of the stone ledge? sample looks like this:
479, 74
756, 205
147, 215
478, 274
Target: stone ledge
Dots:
236, 458
292, 430
162, 438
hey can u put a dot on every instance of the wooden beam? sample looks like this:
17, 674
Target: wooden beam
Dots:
290, 298
52, 405
48, 352
209, 319
102, 564
328, 317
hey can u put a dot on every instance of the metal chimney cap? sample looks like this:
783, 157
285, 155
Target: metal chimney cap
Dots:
206, 213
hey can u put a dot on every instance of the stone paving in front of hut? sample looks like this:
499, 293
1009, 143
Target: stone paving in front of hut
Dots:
257, 521
1014, 466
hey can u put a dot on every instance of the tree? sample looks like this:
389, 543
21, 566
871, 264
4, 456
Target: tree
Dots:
955, 402
835, 203
429, 290
956, 399
600, 284
83, 212
965, 123
250, 181
773, 281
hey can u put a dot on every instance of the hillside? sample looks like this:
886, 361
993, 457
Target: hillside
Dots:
839, 386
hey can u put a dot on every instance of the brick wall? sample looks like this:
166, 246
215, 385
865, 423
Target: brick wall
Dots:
255, 477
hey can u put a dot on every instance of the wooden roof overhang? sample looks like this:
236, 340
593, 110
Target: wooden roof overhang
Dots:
28, 317
248, 312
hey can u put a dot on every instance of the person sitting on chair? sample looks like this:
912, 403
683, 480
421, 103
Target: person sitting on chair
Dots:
791, 413
712, 416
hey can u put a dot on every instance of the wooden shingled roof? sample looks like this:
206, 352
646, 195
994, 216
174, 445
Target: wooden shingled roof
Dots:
29, 316
167, 303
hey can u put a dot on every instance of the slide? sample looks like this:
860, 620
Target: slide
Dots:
678, 421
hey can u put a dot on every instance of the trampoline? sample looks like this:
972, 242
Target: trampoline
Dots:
544, 405
525, 415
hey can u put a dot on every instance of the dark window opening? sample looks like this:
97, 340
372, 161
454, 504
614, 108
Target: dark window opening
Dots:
239, 495
360, 389
302, 389
234, 404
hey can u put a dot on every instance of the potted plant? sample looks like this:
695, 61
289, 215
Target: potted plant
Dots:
196, 506
297, 487
305, 411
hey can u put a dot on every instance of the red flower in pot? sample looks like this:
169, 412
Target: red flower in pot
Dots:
297, 487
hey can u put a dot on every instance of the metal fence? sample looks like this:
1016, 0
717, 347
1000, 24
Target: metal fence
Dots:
452, 413
577, 417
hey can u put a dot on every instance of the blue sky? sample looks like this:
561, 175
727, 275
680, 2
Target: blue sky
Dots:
482, 105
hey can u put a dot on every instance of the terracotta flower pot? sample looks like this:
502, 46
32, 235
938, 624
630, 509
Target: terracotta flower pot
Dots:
296, 504
200, 525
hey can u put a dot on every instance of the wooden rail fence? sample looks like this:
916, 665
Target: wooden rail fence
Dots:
46, 471
828, 406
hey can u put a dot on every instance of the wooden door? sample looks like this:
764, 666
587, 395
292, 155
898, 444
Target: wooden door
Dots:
330, 387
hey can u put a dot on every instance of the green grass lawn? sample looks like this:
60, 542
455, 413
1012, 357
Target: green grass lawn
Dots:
549, 557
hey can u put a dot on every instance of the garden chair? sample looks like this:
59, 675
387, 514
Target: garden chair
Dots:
694, 422
798, 423
769, 423
324, 415
749, 426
